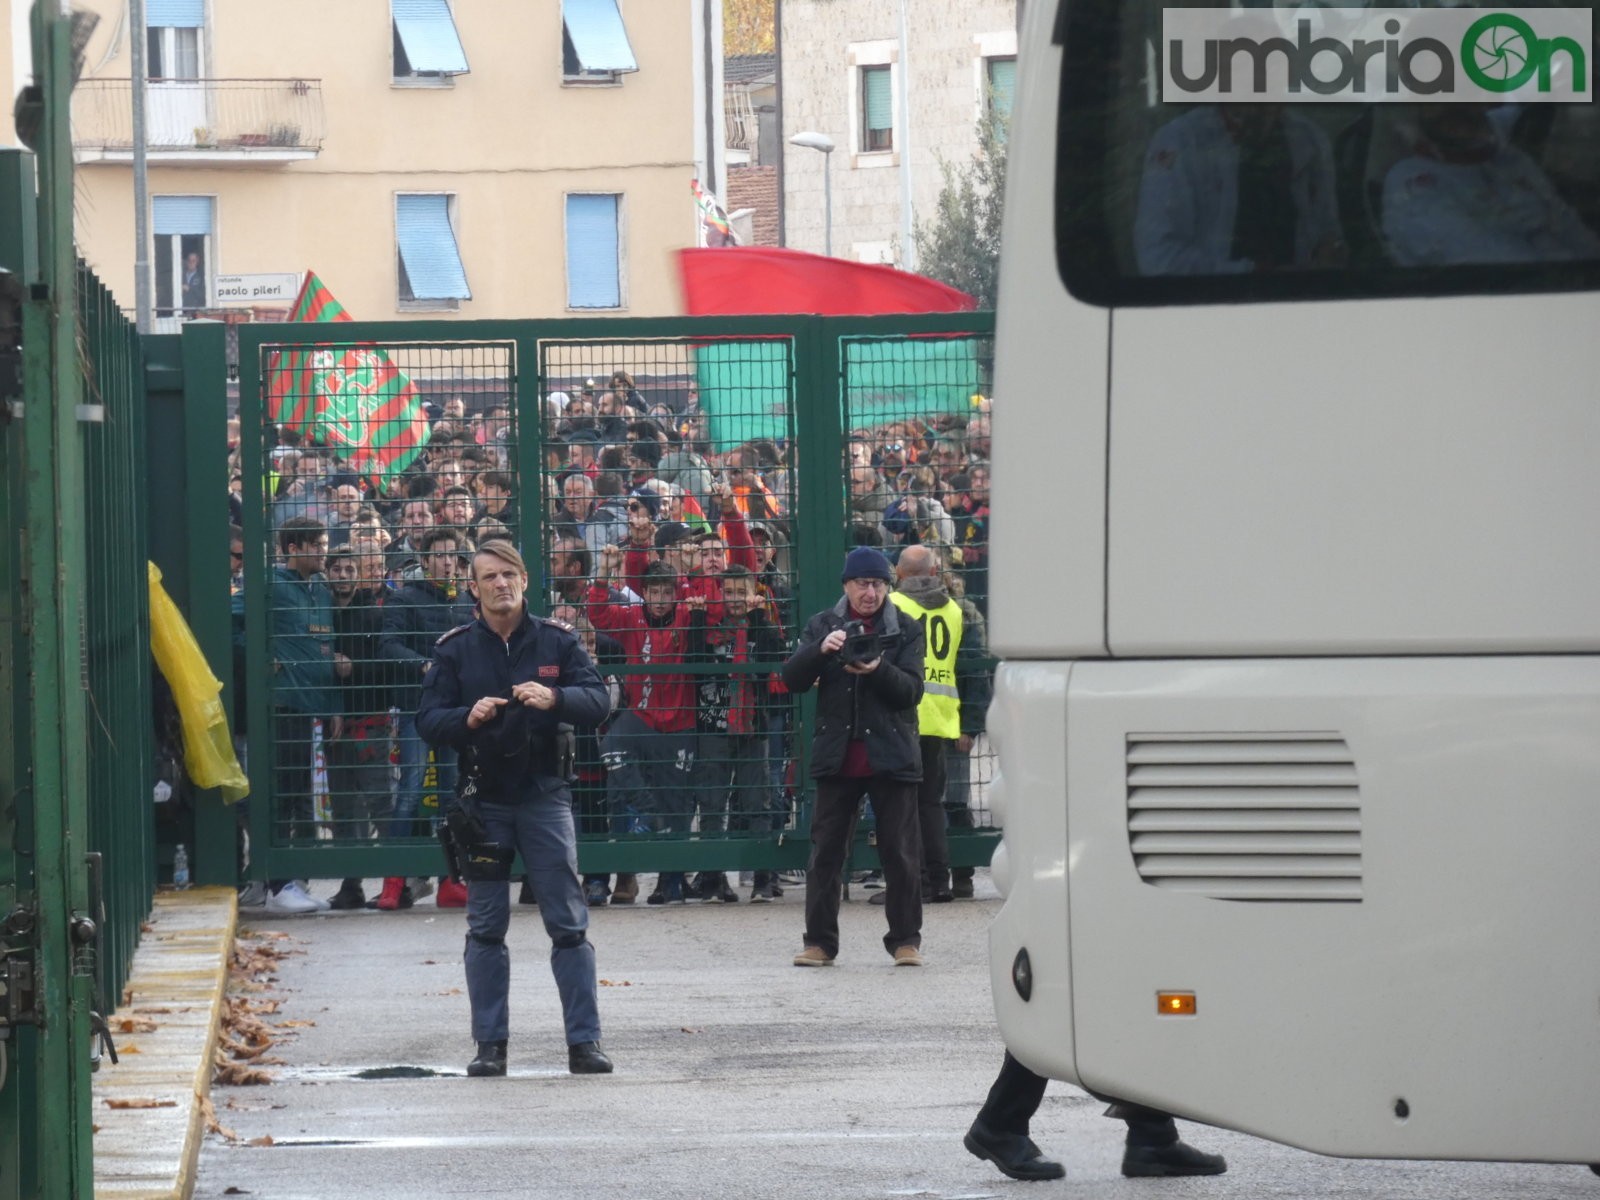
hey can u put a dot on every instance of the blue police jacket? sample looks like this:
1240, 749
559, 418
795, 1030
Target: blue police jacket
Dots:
506, 753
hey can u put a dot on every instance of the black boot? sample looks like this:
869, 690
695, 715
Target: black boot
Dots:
491, 1060
1014, 1153
1174, 1158
586, 1058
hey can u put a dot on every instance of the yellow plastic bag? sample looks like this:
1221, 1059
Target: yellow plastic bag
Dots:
207, 746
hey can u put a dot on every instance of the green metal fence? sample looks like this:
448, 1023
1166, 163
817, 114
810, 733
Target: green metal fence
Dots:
117, 611
727, 439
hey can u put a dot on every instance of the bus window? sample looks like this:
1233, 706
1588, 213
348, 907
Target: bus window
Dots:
1162, 203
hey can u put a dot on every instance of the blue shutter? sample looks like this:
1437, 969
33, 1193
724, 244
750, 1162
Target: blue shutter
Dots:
876, 98
180, 14
180, 214
599, 38
428, 248
594, 277
1002, 84
428, 33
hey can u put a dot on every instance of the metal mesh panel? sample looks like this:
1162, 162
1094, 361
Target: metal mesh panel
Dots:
384, 467
670, 499
916, 472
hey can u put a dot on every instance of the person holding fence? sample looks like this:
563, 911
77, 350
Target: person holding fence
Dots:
649, 750
731, 759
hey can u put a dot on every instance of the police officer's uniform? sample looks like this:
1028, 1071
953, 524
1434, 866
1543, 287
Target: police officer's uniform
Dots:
522, 797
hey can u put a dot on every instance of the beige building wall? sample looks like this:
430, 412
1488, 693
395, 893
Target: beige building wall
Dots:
823, 44
508, 140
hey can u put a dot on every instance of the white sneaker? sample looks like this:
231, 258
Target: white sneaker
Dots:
421, 886
253, 894
292, 898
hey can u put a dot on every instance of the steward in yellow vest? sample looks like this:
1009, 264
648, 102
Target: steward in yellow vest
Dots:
921, 595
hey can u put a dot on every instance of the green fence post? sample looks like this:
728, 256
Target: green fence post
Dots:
57, 1142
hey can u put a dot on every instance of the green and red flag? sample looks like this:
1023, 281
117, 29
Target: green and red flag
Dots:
350, 398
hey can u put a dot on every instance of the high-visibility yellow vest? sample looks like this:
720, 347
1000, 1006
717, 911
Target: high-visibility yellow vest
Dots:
939, 713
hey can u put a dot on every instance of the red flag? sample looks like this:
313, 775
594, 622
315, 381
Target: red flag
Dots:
348, 397
749, 280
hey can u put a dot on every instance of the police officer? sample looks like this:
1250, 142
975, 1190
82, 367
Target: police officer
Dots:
499, 691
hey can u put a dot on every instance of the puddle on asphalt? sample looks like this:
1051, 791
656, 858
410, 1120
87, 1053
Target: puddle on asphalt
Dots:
400, 1073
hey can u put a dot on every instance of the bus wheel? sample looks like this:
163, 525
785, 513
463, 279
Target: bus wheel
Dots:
1595, 1167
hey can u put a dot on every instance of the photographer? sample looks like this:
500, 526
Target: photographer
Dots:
866, 659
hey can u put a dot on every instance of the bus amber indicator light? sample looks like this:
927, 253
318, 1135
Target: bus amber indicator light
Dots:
1175, 1004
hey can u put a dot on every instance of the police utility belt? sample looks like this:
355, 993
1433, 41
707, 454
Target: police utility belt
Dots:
469, 852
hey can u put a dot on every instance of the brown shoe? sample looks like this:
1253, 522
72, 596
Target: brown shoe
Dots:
813, 956
907, 956
626, 891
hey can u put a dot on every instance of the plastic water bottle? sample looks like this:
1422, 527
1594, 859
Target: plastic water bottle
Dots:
180, 867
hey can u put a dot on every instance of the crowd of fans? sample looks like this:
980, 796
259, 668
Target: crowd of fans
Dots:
664, 549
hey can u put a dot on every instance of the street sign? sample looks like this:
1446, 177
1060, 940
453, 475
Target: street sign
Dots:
257, 289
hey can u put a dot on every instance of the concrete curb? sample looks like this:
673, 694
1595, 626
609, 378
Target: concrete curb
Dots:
179, 977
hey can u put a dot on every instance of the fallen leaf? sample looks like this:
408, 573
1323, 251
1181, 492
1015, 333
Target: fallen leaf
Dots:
264, 1140
152, 1010
135, 1025
686, 1029
212, 1124
430, 962
234, 1191
297, 1024
140, 1102
129, 1050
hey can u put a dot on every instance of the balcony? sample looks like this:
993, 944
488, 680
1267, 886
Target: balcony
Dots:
200, 121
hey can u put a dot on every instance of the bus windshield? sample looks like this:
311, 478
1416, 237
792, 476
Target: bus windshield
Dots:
1160, 202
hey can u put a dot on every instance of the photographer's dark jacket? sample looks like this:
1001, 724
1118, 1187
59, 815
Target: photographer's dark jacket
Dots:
879, 709
508, 754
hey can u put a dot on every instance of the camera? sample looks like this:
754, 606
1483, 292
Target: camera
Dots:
860, 646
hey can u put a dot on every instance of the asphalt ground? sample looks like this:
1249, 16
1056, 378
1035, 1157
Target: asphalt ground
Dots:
738, 1074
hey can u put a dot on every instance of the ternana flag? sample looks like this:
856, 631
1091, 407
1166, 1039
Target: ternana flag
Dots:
350, 398
763, 279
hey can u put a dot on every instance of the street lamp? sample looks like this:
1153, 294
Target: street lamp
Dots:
824, 143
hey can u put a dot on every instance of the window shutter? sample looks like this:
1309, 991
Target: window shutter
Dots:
428, 248
180, 214
594, 278
1002, 84
599, 38
876, 98
428, 33
179, 14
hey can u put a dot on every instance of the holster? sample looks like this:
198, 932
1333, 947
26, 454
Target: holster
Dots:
447, 843
566, 748
468, 847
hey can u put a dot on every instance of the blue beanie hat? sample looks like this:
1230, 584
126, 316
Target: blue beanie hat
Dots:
866, 562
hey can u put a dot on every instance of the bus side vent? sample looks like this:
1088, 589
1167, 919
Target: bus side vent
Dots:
1250, 816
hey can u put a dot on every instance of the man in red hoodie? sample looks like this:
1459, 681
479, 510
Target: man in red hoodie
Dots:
648, 752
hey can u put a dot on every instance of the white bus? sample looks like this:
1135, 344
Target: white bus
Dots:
1296, 574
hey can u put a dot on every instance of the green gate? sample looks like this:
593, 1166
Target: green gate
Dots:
525, 410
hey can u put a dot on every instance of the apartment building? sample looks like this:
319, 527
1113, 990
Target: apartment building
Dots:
841, 71
425, 158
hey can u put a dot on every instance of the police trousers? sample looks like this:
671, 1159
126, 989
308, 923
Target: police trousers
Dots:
540, 827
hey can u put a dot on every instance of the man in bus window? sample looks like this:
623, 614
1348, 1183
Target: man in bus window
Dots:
1465, 195
1236, 188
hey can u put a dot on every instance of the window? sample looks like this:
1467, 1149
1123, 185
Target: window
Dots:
173, 39
1000, 76
183, 265
431, 274
594, 42
1161, 203
427, 48
877, 109
594, 250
